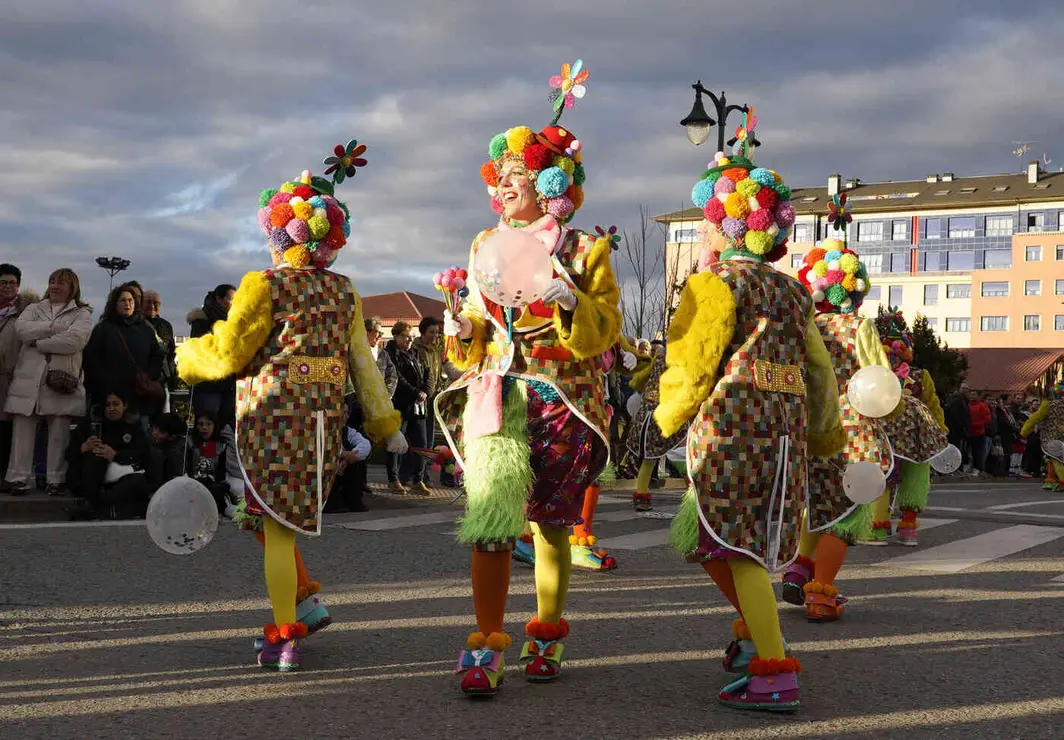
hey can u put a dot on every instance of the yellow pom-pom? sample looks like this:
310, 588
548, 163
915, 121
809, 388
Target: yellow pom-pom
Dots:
498, 641
849, 264
297, 256
748, 187
476, 640
850, 283
572, 540
577, 197
582, 542
564, 164
319, 227
821, 268
591, 540
722, 162
736, 205
288, 187
776, 175
302, 209
518, 138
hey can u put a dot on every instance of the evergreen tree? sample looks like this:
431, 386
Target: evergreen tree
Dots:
947, 366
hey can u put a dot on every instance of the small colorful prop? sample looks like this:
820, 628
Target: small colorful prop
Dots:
182, 516
744, 140
305, 222
874, 391
863, 482
611, 233
898, 343
835, 276
568, 86
838, 216
452, 284
512, 268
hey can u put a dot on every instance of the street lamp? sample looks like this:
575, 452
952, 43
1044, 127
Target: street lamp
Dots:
113, 266
698, 122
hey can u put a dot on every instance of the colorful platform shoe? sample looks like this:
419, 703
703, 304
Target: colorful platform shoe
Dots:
584, 555
643, 501
310, 610
542, 655
741, 650
482, 666
822, 602
907, 529
525, 551
770, 686
798, 573
280, 651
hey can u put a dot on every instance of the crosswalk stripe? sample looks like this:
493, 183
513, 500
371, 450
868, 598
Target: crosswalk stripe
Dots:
400, 522
637, 541
932, 523
960, 555
1058, 579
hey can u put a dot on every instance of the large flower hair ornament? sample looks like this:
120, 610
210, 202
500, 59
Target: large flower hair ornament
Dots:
838, 216
611, 234
345, 160
744, 140
569, 85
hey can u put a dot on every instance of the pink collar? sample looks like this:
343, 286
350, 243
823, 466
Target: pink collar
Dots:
544, 228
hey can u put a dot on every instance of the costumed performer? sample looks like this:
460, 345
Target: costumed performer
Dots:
527, 420
747, 368
917, 434
838, 282
293, 335
1049, 420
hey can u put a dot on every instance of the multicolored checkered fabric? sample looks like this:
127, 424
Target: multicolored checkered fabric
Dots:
735, 445
277, 417
1052, 429
866, 439
643, 438
914, 433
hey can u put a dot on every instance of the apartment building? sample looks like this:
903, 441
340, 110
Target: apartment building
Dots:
982, 257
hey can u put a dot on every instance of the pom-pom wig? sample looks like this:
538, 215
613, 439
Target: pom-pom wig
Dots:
835, 276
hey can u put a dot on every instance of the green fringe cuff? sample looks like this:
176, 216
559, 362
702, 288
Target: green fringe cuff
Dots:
244, 520
498, 475
683, 534
608, 475
914, 486
857, 525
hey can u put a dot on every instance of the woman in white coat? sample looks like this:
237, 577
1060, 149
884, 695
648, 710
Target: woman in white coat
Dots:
53, 333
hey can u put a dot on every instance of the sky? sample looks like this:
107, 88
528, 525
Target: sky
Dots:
146, 130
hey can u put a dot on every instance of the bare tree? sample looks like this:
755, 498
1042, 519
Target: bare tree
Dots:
641, 275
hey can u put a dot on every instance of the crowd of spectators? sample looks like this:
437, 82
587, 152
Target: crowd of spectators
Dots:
986, 429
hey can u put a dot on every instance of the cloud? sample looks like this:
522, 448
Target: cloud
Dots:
149, 133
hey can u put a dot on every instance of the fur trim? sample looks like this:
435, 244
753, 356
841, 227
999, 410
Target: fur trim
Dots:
828, 444
546, 631
589, 330
607, 476
914, 486
683, 534
475, 347
857, 525
196, 314
930, 399
827, 589
885, 524
271, 633
292, 631
700, 332
498, 475
773, 666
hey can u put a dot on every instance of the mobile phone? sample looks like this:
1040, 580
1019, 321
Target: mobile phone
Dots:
97, 429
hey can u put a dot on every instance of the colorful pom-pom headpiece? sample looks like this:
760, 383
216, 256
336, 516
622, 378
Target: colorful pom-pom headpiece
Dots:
1057, 390
835, 276
305, 222
894, 333
749, 205
552, 156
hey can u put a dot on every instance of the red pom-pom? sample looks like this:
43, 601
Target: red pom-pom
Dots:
714, 211
803, 275
293, 631
538, 157
777, 253
304, 191
281, 214
334, 214
335, 239
489, 174
767, 198
272, 634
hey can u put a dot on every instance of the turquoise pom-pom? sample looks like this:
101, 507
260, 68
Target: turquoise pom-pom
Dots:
316, 202
782, 191
762, 177
265, 195
781, 236
552, 182
579, 176
702, 192
346, 227
833, 254
497, 147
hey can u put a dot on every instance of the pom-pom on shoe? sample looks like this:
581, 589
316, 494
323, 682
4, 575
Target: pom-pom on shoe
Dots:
482, 666
280, 652
542, 655
822, 602
771, 686
589, 557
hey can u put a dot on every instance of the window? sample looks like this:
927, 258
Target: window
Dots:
829, 231
1032, 287
873, 293
1033, 254
1058, 287
870, 231
961, 227
895, 294
873, 263
1035, 221
999, 225
997, 259
959, 290
933, 228
932, 322
1032, 322
994, 323
960, 324
1060, 252
997, 289
1058, 323
802, 233
797, 260
899, 231
930, 295
963, 260
899, 262
932, 261
685, 235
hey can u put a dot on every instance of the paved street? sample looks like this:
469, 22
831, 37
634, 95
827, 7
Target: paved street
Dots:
104, 636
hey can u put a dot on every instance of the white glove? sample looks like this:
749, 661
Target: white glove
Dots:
559, 292
628, 360
396, 444
460, 327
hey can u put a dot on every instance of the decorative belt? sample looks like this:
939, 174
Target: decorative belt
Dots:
303, 370
775, 378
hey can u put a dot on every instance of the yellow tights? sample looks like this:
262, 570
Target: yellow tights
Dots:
807, 543
881, 507
280, 562
553, 568
759, 610
642, 480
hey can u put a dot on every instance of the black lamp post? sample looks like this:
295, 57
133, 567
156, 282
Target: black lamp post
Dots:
698, 122
113, 266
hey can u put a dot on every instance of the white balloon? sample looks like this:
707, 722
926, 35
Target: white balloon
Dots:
863, 482
634, 402
946, 461
874, 391
182, 516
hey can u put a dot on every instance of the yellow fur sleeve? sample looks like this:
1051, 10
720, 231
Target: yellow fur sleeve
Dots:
232, 343
930, 400
475, 347
382, 420
870, 349
593, 326
1036, 418
699, 334
826, 435
643, 365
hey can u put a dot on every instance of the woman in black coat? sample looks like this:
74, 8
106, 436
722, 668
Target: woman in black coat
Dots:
410, 400
121, 344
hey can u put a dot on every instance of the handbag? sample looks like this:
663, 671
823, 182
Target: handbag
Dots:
61, 381
144, 386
